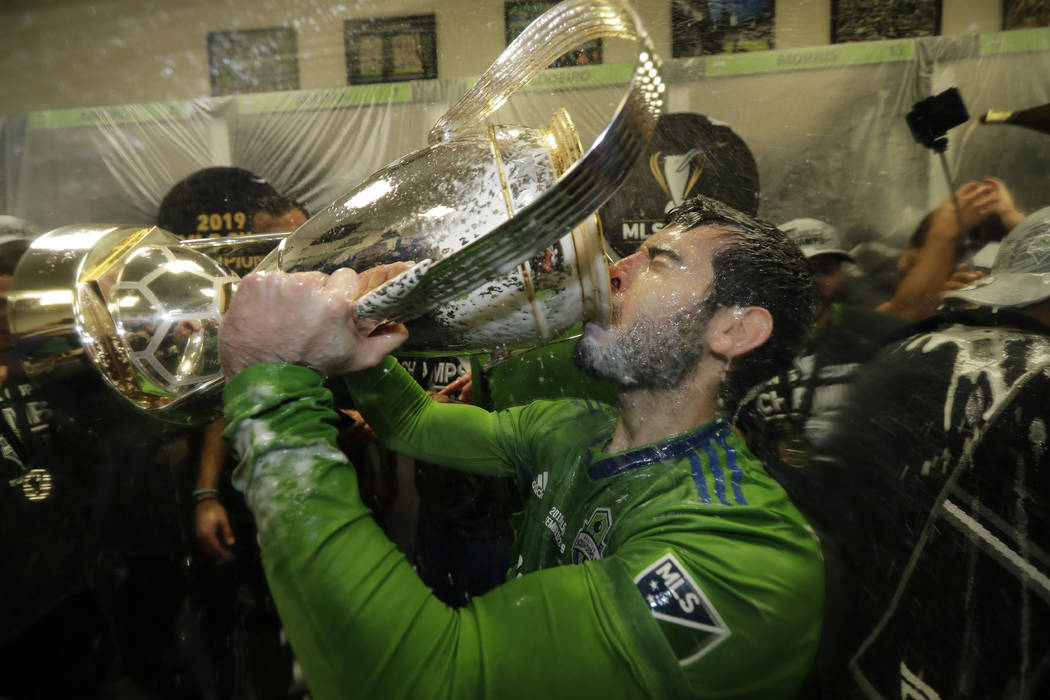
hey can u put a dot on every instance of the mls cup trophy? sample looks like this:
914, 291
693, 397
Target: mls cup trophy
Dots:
500, 221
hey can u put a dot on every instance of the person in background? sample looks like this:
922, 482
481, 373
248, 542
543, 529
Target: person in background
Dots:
655, 557
213, 202
789, 414
932, 254
49, 607
275, 213
464, 533
91, 485
930, 498
270, 213
224, 202
233, 612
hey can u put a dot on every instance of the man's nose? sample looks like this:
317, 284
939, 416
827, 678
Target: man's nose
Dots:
623, 271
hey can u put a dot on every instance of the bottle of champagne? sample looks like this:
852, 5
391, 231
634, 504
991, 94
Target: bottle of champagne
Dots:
1037, 118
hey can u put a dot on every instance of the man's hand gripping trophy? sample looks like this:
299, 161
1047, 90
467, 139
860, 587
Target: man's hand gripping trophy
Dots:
307, 318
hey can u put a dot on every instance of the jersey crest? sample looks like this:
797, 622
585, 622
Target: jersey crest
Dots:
673, 596
539, 486
589, 544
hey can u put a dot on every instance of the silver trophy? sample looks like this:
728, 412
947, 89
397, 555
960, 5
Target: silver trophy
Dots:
499, 219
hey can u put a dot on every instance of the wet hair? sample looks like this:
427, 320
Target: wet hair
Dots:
276, 204
759, 265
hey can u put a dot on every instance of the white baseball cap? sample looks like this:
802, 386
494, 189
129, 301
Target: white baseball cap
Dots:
816, 237
1020, 275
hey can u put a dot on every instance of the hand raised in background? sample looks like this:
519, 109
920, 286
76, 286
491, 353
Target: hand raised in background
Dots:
977, 200
1003, 206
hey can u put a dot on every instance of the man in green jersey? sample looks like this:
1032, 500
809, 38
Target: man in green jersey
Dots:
654, 557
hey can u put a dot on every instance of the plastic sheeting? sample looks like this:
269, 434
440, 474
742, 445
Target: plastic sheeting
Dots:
825, 125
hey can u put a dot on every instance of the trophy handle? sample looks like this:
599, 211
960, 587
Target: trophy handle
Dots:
230, 245
564, 26
579, 192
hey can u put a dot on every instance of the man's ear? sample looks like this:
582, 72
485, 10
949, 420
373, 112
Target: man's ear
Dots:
737, 330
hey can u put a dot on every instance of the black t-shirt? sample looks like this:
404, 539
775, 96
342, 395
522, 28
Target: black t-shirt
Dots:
46, 494
929, 498
141, 466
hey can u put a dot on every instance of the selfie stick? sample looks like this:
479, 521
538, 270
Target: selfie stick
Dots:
929, 121
951, 185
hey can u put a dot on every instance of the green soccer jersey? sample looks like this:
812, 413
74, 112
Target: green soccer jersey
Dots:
678, 569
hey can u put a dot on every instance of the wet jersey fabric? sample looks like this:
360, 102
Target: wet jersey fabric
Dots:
679, 569
930, 498
463, 533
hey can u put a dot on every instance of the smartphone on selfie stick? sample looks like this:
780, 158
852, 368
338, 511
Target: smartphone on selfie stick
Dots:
929, 121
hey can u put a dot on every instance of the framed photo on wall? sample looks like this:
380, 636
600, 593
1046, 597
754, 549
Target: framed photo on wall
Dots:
390, 49
253, 60
1025, 14
518, 14
708, 27
863, 20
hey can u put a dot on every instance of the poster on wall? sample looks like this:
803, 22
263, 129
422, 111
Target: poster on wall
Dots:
707, 27
253, 60
863, 20
390, 49
1025, 14
689, 154
519, 15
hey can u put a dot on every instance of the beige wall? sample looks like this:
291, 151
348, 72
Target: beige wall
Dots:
76, 53
971, 16
72, 53
801, 23
808, 22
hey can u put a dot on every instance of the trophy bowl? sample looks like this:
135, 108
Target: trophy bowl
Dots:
435, 202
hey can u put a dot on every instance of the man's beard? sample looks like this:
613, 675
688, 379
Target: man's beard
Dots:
650, 354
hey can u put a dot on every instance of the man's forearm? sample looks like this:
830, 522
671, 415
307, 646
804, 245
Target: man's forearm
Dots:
213, 456
362, 623
917, 294
323, 553
408, 421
